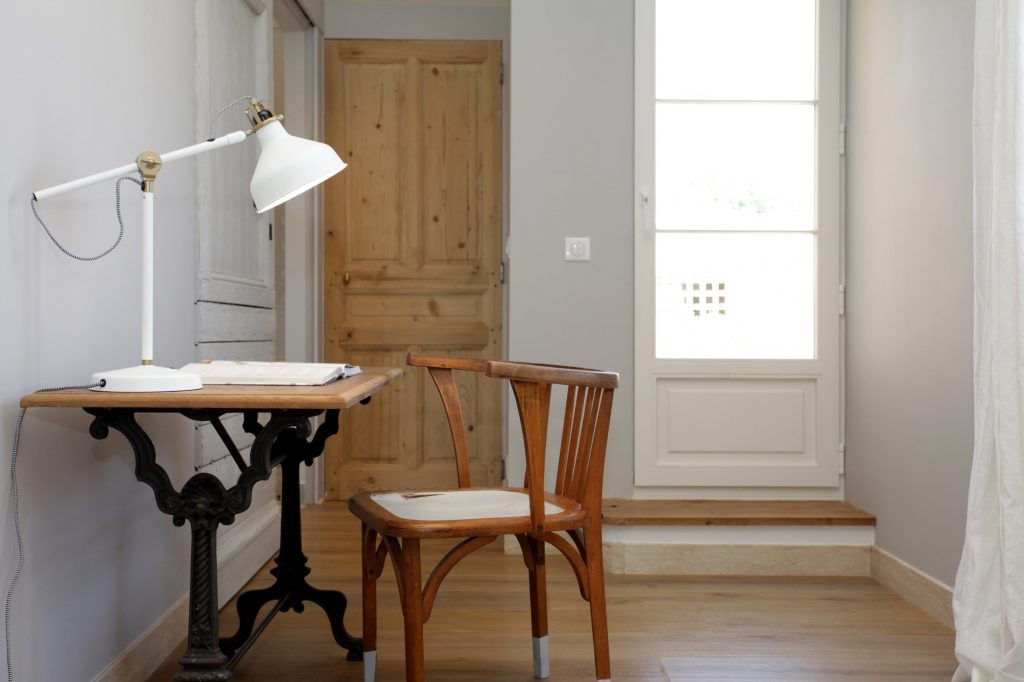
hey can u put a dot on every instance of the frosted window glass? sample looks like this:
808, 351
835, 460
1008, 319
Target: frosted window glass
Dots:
734, 166
735, 296
735, 49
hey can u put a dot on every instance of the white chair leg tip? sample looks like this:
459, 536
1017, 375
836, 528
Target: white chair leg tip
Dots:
369, 666
541, 661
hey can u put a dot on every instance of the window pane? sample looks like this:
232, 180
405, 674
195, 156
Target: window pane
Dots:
734, 166
735, 49
734, 296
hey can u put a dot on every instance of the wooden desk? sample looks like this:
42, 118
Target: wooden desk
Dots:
204, 502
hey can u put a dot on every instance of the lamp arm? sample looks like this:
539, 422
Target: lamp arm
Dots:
208, 145
184, 152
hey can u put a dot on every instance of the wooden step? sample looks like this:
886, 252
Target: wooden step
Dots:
618, 512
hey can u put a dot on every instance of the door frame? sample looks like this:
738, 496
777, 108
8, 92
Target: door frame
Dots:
301, 327
822, 479
415, 263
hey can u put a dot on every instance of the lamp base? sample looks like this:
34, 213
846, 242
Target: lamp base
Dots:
146, 379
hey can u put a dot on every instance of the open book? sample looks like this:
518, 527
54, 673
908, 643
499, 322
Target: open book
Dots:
269, 373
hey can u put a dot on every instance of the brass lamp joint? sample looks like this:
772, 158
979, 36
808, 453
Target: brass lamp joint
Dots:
260, 116
149, 164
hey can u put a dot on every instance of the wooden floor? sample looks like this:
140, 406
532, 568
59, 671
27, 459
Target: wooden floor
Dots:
662, 628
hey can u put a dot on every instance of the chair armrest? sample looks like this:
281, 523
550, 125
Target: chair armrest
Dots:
446, 362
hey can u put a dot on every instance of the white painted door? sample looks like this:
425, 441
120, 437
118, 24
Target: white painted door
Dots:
235, 316
738, 248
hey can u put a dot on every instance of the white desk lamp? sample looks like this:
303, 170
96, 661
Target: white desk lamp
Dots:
287, 166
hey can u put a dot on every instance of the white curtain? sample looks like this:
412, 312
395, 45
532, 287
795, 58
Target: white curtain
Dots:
988, 601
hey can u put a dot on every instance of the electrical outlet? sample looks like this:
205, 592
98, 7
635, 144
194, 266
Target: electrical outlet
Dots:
577, 248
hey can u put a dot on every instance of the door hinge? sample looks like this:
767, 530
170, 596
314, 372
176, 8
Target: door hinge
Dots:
842, 300
842, 139
502, 470
501, 73
501, 272
270, 231
842, 459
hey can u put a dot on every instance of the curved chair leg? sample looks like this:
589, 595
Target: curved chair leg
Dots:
539, 608
598, 606
371, 572
412, 609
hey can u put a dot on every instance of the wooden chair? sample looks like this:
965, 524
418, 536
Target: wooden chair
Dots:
535, 516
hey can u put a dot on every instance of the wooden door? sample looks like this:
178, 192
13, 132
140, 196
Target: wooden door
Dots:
412, 250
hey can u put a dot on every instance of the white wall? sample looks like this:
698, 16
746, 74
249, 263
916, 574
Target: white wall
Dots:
571, 78
88, 86
909, 324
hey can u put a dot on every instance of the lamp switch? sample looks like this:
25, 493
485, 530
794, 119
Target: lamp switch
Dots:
577, 248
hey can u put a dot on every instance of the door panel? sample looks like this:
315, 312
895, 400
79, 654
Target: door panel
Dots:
412, 250
711, 428
235, 256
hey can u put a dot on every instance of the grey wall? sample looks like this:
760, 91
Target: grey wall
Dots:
316, 10
571, 162
909, 324
424, 21
102, 564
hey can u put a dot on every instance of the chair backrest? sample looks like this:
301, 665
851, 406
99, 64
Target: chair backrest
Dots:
584, 435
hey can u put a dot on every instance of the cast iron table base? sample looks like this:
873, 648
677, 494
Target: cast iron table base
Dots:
205, 504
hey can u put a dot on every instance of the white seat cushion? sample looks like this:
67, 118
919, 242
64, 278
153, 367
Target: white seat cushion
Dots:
457, 505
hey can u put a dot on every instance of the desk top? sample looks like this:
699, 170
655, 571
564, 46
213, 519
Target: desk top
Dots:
337, 395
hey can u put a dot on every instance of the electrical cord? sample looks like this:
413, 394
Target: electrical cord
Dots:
213, 123
17, 522
120, 221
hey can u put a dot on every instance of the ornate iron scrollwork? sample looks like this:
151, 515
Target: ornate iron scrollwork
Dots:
205, 504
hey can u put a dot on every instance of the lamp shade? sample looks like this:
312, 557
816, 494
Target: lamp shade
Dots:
289, 166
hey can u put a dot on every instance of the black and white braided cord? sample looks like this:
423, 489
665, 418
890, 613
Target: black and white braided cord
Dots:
120, 222
213, 123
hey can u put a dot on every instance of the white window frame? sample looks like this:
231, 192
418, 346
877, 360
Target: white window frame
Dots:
821, 477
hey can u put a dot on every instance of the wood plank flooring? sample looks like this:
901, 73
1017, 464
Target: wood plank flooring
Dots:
662, 628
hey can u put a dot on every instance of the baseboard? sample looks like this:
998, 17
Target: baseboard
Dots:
240, 555
737, 560
921, 590
149, 650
